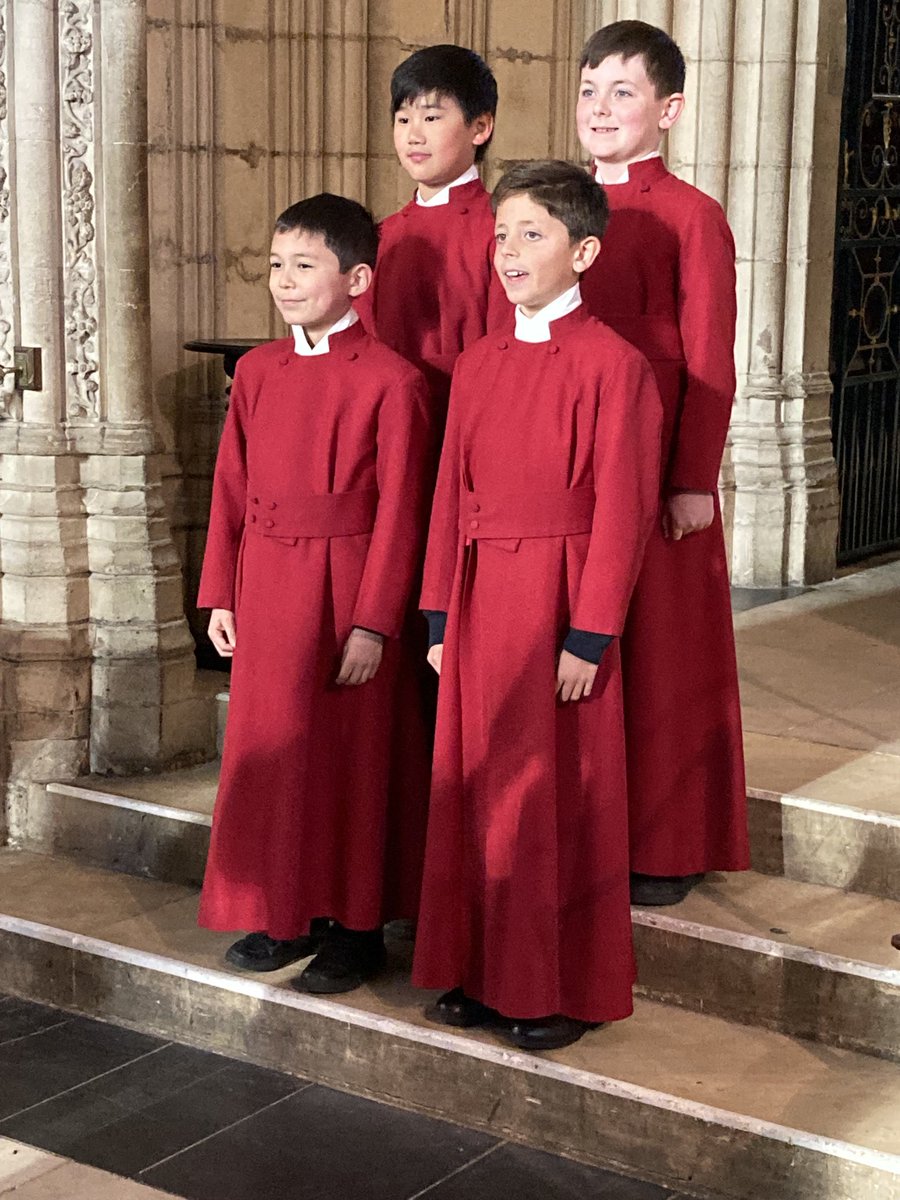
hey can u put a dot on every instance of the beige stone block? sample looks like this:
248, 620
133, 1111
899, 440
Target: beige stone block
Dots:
409, 23
39, 471
242, 113
50, 686
524, 91
64, 501
46, 600
47, 758
112, 640
241, 16
108, 559
188, 730
128, 599
524, 39
42, 725
383, 58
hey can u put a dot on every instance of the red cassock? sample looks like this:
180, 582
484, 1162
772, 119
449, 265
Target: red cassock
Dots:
435, 290
665, 280
546, 494
318, 519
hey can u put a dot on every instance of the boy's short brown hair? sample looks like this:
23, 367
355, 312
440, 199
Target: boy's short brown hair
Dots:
663, 61
567, 192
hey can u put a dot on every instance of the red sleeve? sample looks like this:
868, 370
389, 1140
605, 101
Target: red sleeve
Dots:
404, 454
626, 479
443, 532
229, 500
707, 316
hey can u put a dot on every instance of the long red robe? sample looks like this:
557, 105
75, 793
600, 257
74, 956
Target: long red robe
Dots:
665, 280
317, 524
546, 494
435, 290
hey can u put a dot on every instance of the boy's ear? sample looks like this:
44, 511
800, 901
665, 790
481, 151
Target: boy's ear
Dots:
673, 107
585, 253
482, 128
360, 278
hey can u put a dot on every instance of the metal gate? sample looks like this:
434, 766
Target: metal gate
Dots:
865, 329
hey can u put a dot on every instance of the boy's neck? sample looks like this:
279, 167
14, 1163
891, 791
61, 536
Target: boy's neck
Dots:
617, 172
427, 193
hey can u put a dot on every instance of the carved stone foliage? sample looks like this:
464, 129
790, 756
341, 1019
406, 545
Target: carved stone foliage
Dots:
81, 299
6, 294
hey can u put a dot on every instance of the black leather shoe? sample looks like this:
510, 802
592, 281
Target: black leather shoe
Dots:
347, 959
259, 952
657, 891
545, 1033
458, 1009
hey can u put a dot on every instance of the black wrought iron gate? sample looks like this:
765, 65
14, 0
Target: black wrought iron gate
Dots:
865, 330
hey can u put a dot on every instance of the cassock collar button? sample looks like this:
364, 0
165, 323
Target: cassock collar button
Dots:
463, 210
502, 344
553, 348
352, 356
285, 359
645, 187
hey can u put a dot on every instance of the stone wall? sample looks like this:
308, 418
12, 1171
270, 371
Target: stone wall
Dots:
254, 104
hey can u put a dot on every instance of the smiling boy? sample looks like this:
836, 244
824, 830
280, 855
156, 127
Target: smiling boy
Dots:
318, 514
434, 291
546, 494
665, 280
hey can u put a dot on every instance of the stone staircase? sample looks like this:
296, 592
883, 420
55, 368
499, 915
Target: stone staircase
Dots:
762, 1057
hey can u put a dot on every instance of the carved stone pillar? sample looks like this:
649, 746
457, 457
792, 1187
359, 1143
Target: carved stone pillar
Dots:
97, 656
764, 87
781, 201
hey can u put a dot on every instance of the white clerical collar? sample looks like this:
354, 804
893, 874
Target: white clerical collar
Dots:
537, 328
305, 350
598, 167
443, 196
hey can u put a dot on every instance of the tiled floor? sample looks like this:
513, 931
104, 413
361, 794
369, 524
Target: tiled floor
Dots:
205, 1127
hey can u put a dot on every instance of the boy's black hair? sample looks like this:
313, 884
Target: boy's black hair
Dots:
451, 71
663, 61
348, 229
567, 192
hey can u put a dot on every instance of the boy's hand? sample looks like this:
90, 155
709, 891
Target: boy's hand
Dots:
687, 512
222, 631
574, 677
436, 656
361, 657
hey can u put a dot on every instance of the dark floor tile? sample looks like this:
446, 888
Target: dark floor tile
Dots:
518, 1173
60, 1122
321, 1145
19, 1018
132, 1143
35, 1068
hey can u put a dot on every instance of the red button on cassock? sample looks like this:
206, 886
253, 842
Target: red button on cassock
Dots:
270, 524
473, 524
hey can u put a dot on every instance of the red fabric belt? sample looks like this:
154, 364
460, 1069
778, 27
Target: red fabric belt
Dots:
526, 515
338, 514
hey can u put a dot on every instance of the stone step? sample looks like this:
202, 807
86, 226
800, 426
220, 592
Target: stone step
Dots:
825, 814
798, 958
719, 1110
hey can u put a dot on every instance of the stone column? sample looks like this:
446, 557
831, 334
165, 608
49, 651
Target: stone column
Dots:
781, 202
97, 657
764, 90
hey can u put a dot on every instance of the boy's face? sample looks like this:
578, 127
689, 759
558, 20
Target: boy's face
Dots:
535, 257
306, 282
619, 116
433, 141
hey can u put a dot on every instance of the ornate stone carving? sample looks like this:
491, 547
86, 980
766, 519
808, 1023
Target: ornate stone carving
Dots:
81, 299
6, 292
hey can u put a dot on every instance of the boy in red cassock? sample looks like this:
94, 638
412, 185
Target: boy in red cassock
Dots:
546, 494
665, 280
318, 517
434, 291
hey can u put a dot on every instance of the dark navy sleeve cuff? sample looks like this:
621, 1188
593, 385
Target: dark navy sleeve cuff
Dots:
437, 624
589, 646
